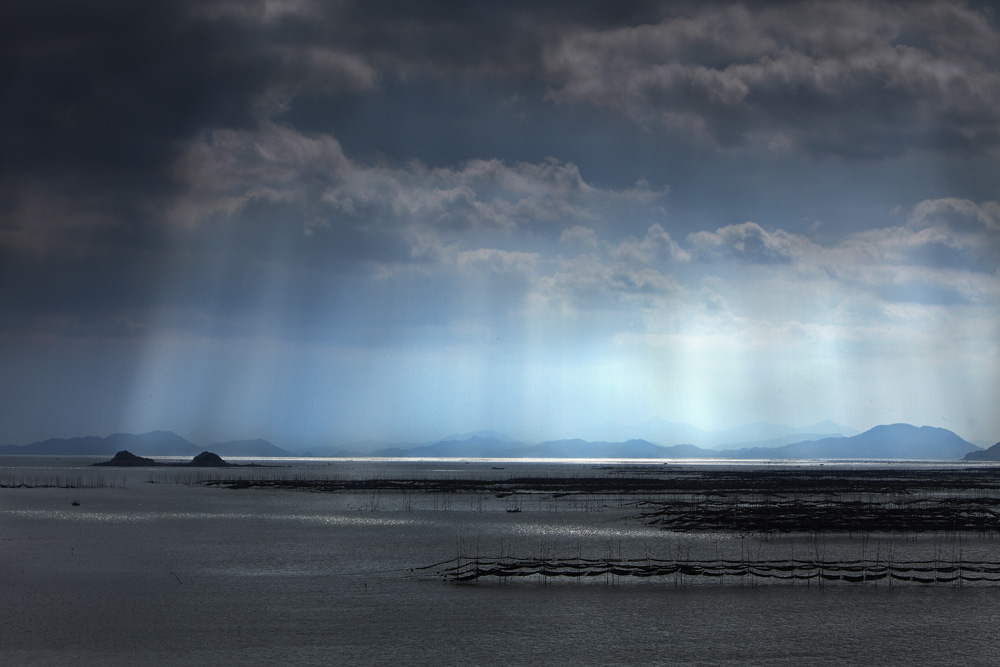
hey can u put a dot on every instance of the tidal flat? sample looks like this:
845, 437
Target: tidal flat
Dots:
328, 561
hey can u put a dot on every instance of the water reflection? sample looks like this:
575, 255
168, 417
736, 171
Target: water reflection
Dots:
149, 517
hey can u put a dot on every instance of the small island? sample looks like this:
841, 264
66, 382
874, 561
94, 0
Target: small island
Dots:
126, 459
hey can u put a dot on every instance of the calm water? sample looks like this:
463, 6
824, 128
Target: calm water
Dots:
171, 573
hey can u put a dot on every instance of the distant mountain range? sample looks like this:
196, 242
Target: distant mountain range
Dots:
760, 434
155, 443
657, 431
895, 441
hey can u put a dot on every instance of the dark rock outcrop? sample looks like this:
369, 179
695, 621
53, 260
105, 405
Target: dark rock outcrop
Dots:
126, 458
203, 460
208, 460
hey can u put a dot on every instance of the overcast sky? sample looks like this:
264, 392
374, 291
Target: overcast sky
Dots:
325, 221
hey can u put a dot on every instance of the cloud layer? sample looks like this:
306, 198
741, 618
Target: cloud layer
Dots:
859, 79
347, 219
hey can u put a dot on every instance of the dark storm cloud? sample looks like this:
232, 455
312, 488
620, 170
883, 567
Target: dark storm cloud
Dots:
106, 94
116, 85
98, 100
457, 37
111, 86
150, 152
855, 79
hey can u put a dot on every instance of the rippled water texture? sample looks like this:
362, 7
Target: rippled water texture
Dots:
177, 573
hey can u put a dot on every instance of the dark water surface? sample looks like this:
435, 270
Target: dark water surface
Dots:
175, 573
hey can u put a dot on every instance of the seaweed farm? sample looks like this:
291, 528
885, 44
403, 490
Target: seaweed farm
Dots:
895, 515
462, 569
652, 479
497, 562
840, 512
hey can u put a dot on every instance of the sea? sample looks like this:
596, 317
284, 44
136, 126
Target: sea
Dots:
152, 566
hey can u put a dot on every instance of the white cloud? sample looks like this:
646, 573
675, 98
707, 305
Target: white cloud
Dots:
742, 280
236, 168
580, 237
497, 261
960, 214
946, 253
279, 164
749, 242
656, 246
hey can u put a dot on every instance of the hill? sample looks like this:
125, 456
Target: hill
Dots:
990, 454
471, 447
126, 459
162, 443
476, 447
258, 447
893, 441
764, 434
663, 432
154, 443
631, 449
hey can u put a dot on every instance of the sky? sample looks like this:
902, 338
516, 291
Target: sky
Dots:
319, 222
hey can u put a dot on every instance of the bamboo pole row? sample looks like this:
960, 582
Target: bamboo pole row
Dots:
467, 569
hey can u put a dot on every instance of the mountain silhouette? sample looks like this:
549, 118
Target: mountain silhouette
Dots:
989, 454
472, 447
162, 443
154, 443
894, 441
258, 447
663, 432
